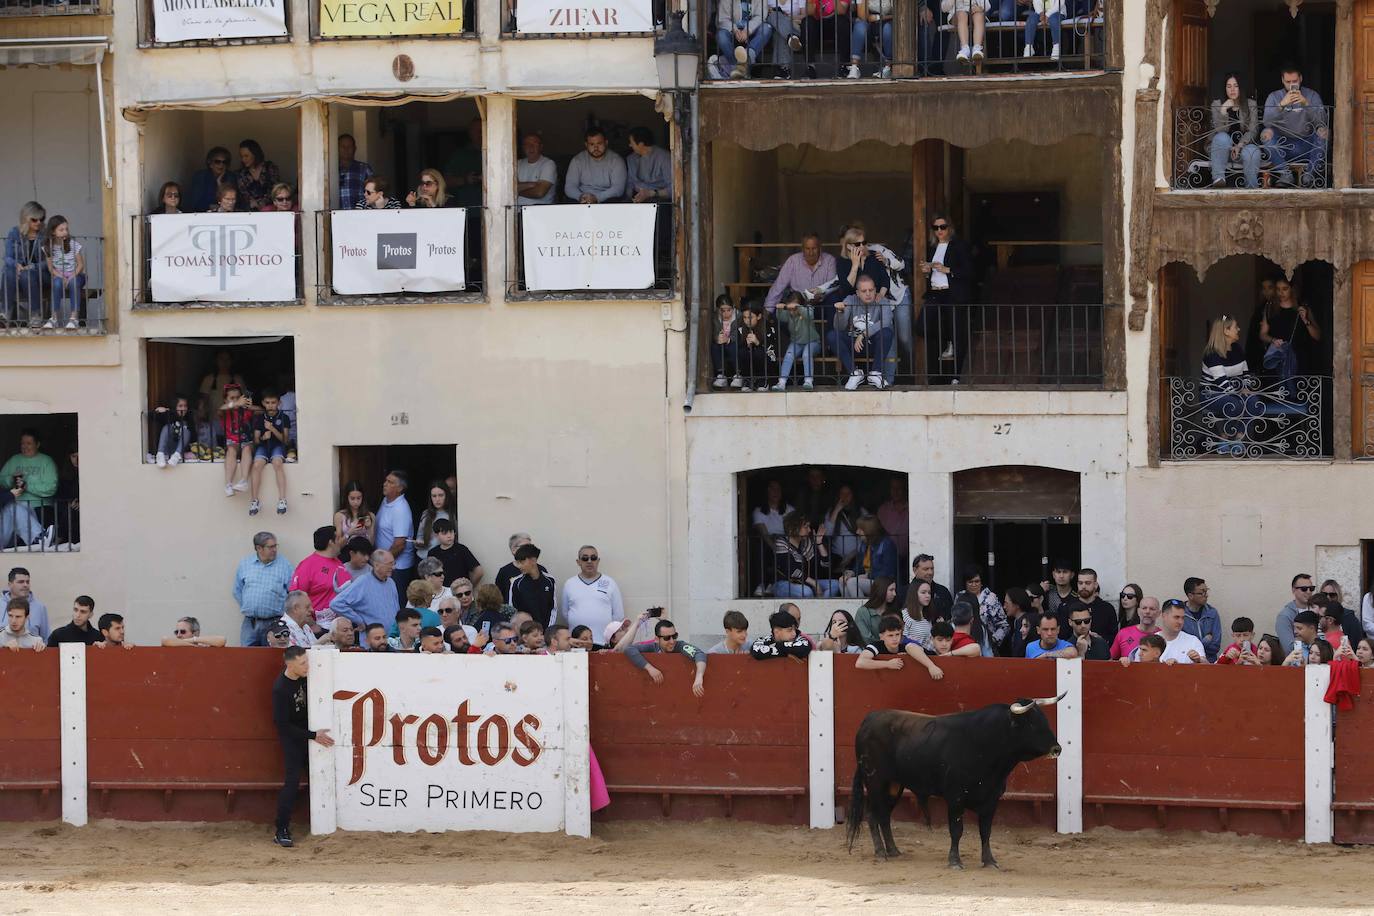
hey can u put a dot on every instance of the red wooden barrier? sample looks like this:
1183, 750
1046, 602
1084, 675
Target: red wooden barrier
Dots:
969, 683
182, 734
1354, 805
30, 741
740, 750
1193, 747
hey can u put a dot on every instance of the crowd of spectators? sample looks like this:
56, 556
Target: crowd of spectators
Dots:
256, 185
1284, 141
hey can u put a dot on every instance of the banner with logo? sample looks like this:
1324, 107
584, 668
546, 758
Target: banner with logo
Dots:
543, 17
588, 246
397, 251
438, 742
223, 257
205, 20
374, 18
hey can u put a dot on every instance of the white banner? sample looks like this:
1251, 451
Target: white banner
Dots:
397, 251
442, 742
589, 246
542, 17
203, 20
223, 257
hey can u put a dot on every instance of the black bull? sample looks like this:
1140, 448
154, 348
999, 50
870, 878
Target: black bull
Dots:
964, 758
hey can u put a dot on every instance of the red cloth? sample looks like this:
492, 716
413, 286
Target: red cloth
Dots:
1345, 683
960, 640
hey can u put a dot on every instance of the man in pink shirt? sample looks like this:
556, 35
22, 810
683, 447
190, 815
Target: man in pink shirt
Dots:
806, 272
1129, 637
315, 575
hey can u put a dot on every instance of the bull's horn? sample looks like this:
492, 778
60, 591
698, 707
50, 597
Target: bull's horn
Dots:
1050, 701
1018, 709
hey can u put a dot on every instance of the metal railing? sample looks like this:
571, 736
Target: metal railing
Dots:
1297, 157
990, 346
35, 302
1246, 418
147, 31
202, 443
845, 47
142, 294
51, 525
660, 252
48, 7
763, 571
473, 271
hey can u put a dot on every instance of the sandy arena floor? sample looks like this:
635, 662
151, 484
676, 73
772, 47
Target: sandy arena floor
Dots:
713, 867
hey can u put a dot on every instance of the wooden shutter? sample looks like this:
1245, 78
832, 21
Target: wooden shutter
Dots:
1363, 85
1188, 53
1167, 308
1362, 354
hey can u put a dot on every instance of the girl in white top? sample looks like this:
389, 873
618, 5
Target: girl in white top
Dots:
67, 265
917, 613
440, 506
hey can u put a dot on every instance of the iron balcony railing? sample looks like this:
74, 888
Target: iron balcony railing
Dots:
650, 258
51, 525
1290, 149
764, 572
1246, 418
35, 302
222, 259
434, 288
847, 47
990, 346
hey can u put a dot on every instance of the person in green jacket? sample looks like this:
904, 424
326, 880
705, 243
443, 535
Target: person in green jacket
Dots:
805, 340
37, 472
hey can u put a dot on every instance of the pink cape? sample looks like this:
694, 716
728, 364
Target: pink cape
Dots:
600, 797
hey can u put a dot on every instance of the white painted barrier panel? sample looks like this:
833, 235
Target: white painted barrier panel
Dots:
1068, 678
72, 686
1319, 752
821, 709
442, 743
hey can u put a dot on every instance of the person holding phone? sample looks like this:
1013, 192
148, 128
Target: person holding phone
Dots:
948, 270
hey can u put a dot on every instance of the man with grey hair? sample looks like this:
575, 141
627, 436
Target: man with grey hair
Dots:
297, 617
370, 598
510, 571
341, 635
591, 598
187, 633
260, 586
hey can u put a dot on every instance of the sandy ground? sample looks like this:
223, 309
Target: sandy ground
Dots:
711, 867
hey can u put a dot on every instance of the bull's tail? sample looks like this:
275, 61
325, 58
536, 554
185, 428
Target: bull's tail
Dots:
856, 807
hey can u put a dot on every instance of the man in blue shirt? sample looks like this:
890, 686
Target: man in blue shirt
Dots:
648, 169
370, 598
395, 531
1200, 618
1050, 645
260, 587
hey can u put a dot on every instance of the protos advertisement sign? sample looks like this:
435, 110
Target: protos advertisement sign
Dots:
550, 17
442, 742
588, 246
208, 20
374, 18
397, 251
223, 257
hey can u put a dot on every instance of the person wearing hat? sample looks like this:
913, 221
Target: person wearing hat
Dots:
279, 636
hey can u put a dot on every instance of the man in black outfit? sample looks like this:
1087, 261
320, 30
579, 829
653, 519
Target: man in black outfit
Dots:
289, 715
80, 629
923, 570
534, 590
1104, 619
945, 322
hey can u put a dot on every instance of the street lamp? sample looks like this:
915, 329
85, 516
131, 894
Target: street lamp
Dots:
678, 58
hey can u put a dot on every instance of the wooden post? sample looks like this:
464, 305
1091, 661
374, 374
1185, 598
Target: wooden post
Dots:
921, 155
904, 43
1343, 143
1343, 403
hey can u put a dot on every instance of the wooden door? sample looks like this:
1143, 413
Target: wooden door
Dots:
1167, 307
1362, 357
1363, 85
1188, 53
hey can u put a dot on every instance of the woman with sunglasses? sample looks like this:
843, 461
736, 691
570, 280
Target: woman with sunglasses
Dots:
25, 269
205, 182
949, 284
168, 199
431, 192
1128, 607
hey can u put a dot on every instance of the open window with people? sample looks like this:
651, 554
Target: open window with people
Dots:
227, 401
1246, 361
874, 266
405, 222
1252, 84
221, 219
863, 39
594, 214
51, 218
40, 504
811, 531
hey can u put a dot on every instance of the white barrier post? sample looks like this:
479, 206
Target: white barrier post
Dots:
1068, 679
1319, 755
324, 815
72, 706
820, 672
577, 788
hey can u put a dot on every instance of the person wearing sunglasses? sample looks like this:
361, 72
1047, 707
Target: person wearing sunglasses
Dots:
591, 598
949, 285
186, 632
1128, 606
205, 182
667, 642
25, 267
432, 191
1303, 588
374, 197
283, 199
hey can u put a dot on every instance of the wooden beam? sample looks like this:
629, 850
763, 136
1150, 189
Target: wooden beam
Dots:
1343, 142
